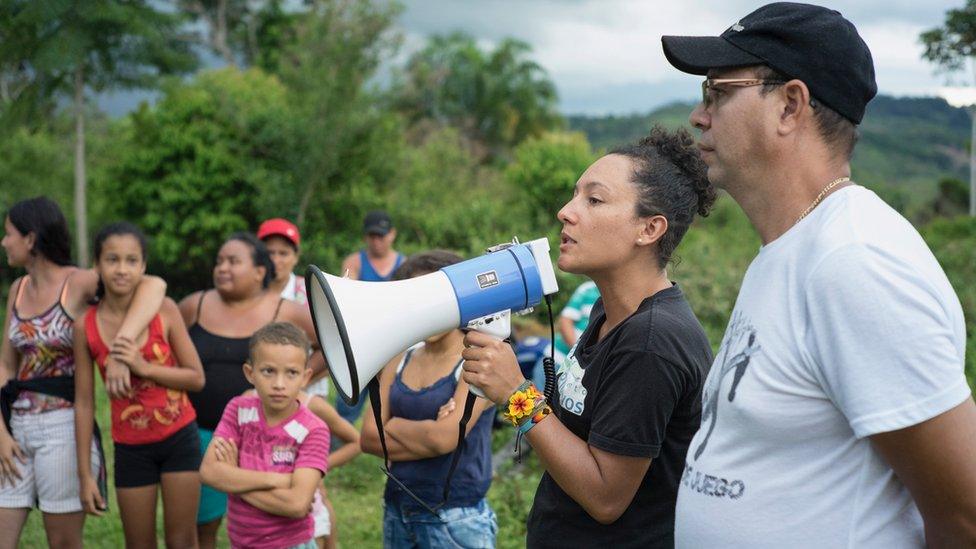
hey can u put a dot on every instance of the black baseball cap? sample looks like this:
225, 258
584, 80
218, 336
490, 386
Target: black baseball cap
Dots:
810, 43
377, 222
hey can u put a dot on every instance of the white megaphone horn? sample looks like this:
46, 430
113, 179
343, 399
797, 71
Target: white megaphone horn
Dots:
361, 326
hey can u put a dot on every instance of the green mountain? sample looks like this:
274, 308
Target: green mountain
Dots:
907, 144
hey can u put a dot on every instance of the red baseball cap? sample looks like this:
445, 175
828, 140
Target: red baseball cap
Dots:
280, 227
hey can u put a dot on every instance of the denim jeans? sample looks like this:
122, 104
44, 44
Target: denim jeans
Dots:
351, 413
468, 527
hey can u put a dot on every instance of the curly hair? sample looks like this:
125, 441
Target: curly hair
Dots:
671, 181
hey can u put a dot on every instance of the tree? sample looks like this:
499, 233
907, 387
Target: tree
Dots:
339, 46
250, 33
545, 170
446, 198
208, 159
951, 199
65, 47
950, 46
496, 99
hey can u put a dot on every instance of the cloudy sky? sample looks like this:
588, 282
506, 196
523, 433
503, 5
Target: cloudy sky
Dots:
605, 55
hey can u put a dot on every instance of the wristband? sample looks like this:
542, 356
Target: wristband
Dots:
524, 403
536, 418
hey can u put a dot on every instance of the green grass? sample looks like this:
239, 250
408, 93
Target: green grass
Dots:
103, 531
356, 492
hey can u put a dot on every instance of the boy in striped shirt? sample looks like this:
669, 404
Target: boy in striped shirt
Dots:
269, 451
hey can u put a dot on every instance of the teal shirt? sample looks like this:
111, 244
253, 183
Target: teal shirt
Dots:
578, 309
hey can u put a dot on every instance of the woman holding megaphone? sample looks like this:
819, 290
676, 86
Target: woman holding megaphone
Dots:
614, 437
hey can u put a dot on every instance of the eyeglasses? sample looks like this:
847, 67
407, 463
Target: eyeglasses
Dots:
708, 84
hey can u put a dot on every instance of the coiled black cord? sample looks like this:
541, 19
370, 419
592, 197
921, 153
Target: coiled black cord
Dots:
549, 362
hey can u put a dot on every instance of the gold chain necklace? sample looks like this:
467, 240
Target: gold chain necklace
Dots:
821, 196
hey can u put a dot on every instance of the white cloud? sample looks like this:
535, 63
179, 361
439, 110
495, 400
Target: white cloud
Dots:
958, 97
600, 53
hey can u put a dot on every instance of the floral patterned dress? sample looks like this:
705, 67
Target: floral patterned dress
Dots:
44, 343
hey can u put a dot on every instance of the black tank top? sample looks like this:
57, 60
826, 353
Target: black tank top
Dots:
223, 359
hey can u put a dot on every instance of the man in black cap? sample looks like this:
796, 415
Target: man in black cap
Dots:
377, 261
836, 413
373, 263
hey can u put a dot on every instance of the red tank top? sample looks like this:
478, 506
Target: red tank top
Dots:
154, 412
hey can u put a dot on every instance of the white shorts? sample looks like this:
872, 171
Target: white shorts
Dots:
319, 387
49, 479
320, 514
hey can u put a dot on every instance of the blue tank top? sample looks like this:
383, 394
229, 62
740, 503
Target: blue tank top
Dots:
368, 274
426, 477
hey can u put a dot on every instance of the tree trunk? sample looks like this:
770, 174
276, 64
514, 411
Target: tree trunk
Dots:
303, 205
220, 34
81, 210
253, 52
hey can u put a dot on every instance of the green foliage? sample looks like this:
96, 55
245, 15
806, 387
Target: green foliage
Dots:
952, 198
948, 46
200, 164
32, 163
711, 261
270, 34
906, 145
497, 99
339, 46
112, 44
606, 132
952, 241
446, 199
544, 170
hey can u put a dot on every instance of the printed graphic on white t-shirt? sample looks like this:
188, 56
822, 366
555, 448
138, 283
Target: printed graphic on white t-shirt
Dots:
572, 394
738, 348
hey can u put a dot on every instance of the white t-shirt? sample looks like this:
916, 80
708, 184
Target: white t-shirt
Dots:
844, 327
294, 290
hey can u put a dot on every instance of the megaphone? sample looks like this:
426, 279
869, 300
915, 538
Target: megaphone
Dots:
361, 326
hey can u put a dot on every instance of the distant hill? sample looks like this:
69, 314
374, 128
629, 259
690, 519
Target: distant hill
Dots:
906, 146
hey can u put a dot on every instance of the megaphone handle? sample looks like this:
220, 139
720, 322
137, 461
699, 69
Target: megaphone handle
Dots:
500, 327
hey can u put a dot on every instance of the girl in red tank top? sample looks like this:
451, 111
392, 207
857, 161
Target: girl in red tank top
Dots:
153, 427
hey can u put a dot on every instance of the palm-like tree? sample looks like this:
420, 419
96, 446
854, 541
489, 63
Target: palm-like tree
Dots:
496, 99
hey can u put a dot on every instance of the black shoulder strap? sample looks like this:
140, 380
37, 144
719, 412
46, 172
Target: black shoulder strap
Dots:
196, 319
374, 402
278, 308
462, 439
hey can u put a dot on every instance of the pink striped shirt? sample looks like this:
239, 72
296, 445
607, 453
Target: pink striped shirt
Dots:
299, 441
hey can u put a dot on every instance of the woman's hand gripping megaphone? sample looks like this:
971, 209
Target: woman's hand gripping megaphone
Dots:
490, 365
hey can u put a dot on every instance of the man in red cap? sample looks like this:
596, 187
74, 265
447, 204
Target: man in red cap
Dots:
282, 239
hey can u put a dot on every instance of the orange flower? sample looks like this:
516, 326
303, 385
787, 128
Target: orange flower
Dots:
519, 404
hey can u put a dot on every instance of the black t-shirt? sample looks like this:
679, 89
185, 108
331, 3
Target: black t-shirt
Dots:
635, 393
